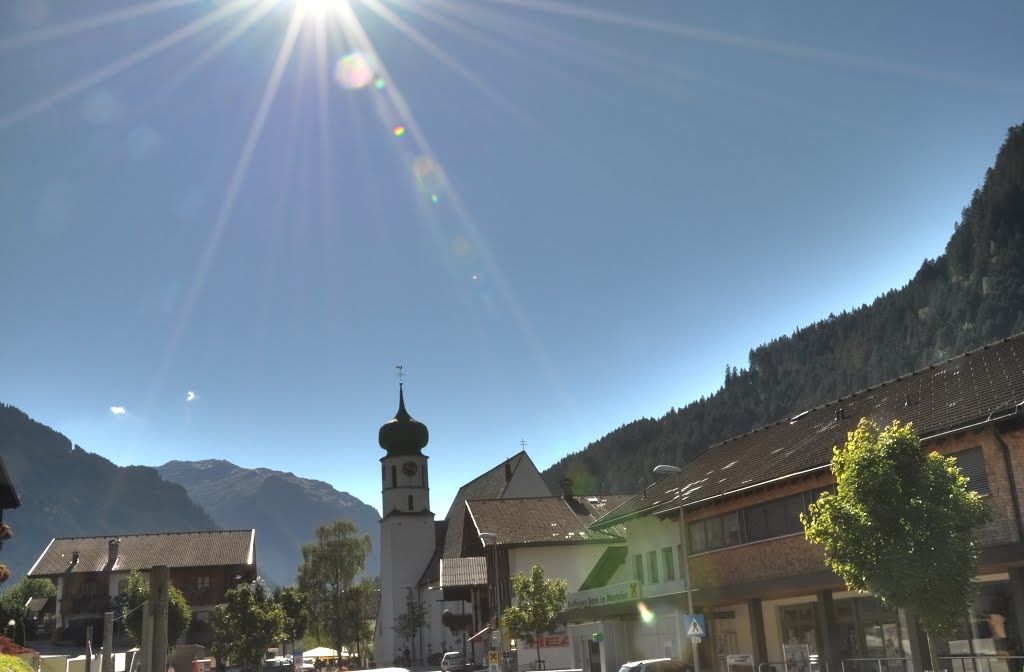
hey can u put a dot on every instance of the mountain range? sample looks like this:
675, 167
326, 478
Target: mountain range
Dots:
67, 491
284, 509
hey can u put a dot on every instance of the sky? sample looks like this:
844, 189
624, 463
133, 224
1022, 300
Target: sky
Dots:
226, 222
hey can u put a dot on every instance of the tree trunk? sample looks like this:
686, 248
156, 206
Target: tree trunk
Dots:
538, 652
933, 654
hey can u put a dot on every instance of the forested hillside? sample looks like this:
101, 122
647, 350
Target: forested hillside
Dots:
66, 491
971, 295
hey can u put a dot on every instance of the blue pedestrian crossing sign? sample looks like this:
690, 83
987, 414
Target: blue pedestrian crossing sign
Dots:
693, 624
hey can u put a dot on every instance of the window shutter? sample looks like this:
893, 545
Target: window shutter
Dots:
972, 465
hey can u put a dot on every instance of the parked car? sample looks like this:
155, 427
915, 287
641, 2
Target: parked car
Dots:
656, 665
454, 662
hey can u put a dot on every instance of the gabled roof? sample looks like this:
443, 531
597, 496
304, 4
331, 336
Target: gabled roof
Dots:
8, 495
545, 520
432, 573
489, 485
976, 387
463, 572
143, 551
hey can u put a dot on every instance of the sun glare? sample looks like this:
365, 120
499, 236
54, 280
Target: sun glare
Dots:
316, 8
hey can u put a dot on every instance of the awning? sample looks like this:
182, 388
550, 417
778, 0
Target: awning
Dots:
479, 634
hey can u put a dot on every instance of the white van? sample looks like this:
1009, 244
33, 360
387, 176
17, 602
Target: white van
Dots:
453, 662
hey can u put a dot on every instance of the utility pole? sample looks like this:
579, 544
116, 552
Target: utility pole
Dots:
88, 648
159, 579
108, 642
146, 646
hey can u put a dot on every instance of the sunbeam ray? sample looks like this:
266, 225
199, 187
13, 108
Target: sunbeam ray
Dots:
761, 45
356, 35
91, 23
119, 66
234, 186
456, 66
223, 42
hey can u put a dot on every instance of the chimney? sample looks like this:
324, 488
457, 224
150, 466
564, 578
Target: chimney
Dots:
74, 558
566, 485
508, 470
113, 546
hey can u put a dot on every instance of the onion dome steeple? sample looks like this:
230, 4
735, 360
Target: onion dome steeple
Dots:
403, 435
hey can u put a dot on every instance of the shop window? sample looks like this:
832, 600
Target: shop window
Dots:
638, 567
670, 565
972, 464
652, 566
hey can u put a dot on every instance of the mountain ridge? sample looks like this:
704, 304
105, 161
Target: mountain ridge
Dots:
967, 297
284, 508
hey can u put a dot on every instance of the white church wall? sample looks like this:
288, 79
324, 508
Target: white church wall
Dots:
526, 481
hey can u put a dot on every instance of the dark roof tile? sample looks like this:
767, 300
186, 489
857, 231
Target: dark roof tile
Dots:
974, 387
544, 520
142, 551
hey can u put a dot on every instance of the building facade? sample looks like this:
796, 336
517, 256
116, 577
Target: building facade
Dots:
90, 572
764, 591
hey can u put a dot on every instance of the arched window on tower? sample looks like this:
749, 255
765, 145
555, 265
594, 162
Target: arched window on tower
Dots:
410, 502
424, 476
394, 476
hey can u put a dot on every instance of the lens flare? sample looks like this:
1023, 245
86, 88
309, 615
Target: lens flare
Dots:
354, 71
399, 131
646, 615
379, 84
429, 177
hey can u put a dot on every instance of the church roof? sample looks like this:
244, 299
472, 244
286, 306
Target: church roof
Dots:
489, 485
526, 521
463, 572
971, 389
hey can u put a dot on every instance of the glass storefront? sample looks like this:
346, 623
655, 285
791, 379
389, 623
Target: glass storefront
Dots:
871, 637
986, 640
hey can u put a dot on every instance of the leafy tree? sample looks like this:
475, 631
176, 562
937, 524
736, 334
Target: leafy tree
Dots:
296, 613
129, 605
12, 605
409, 622
538, 602
329, 568
247, 624
901, 526
358, 616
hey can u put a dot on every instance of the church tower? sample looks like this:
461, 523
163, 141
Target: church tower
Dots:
407, 537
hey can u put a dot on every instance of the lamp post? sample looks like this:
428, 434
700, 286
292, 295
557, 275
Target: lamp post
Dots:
484, 537
663, 470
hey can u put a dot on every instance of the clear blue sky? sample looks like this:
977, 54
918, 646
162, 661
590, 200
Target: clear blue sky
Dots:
203, 197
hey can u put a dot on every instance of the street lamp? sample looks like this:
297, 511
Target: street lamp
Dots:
484, 537
663, 470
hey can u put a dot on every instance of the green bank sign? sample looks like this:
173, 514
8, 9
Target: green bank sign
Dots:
619, 592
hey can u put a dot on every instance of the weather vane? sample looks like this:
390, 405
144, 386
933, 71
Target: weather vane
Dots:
399, 373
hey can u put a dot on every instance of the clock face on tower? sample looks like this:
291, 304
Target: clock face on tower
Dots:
410, 469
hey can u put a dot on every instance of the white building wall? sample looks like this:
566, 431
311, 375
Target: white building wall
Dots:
570, 562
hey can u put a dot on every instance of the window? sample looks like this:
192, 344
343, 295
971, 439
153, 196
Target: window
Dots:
698, 541
638, 567
410, 502
121, 586
423, 474
394, 476
731, 529
670, 565
972, 463
652, 565
202, 583
774, 519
